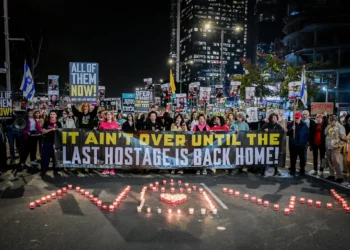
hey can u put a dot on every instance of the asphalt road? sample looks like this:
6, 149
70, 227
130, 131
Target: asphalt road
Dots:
74, 222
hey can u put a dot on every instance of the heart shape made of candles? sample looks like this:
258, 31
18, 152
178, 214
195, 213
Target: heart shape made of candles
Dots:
173, 199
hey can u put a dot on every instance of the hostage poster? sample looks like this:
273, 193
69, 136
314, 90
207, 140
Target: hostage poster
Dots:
142, 101
80, 148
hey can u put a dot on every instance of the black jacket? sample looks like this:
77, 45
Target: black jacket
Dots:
85, 120
127, 128
272, 127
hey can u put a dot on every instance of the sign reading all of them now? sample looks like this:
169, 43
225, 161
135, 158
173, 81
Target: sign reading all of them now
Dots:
5, 105
83, 79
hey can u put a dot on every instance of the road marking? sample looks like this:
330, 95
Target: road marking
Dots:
214, 196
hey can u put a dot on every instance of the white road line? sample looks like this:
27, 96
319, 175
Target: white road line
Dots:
214, 196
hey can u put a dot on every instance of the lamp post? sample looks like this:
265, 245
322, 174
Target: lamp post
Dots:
172, 61
208, 26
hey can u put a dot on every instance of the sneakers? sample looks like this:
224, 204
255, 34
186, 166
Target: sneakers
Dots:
198, 172
33, 163
105, 172
204, 172
312, 172
320, 173
112, 172
172, 171
180, 172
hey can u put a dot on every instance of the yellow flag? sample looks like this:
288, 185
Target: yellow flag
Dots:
172, 82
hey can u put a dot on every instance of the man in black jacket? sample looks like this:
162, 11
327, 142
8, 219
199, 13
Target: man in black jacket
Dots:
317, 142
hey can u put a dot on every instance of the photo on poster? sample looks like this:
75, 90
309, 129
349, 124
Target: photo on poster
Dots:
294, 89
101, 92
166, 91
219, 91
148, 82
204, 95
250, 94
252, 114
53, 99
53, 82
235, 89
193, 90
181, 101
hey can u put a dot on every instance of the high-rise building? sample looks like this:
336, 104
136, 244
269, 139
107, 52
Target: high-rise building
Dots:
202, 45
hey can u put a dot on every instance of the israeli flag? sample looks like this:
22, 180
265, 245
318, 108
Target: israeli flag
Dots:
303, 92
27, 85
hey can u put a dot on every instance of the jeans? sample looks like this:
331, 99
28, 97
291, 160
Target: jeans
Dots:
47, 153
13, 135
29, 146
315, 150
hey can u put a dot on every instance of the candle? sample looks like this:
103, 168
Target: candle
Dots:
159, 211
91, 197
309, 202
37, 202
139, 208
32, 205
53, 195
164, 182
172, 190
77, 189
59, 192
191, 210
332, 190
162, 189
292, 198
347, 210
169, 211
115, 204
189, 190
104, 207
246, 196
215, 211
203, 210
95, 200
154, 189
179, 211
200, 190
43, 200
276, 207
70, 186
292, 202
302, 200
179, 182
181, 190
111, 208
230, 191
99, 203
318, 204
48, 198
291, 207
187, 185
237, 193
151, 185
286, 211
266, 203
82, 191
253, 199
345, 206
194, 188
157, 184
329, 206
87, 194
259, 201
224, 190
64, 189
171, 180
148, 210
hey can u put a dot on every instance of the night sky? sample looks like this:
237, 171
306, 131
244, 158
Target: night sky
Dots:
129, 43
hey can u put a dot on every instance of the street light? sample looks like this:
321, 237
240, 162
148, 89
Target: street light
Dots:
208, 26
171, 61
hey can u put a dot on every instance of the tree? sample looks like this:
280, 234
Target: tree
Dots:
34, 54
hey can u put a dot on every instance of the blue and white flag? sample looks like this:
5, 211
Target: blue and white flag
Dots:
303, 92
27, 85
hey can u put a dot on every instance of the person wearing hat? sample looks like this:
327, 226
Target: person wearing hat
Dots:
335, 140
317, 143
298, 133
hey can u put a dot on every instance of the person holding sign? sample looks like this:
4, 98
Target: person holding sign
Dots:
85, 117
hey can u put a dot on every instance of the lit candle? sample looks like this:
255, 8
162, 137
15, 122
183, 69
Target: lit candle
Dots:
266, 203
291, 207
179, 182
309, 202
302, 200
286, 211
189, 190
111, 208
99, 203
164, 182
59, 192
82, 191
276, 207
159, 210
329, 206
292, 202
115, 204
148, 210
139, 208
187, 185
203, 210
230, 191
77, 189
32, 205
162, 189
246, 196
157, 184
91, 197
53, 195
64, 189
37, 202
95, 199
169, 211
171, 181
200, 190
347, 210
253, 199
181, 190
151, 185
172, 190
104, 207
87, 194
318, 204
215, 211
70, 186
344, 206
259, 201
191, 210
48, 198
292, 198
224, 190
179, 211
43, 200
237, 193
332, 190
194, 188
154, 189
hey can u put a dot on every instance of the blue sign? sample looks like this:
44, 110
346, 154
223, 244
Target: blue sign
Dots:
83, 79
128, 102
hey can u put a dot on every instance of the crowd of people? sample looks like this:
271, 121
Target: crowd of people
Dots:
325, 136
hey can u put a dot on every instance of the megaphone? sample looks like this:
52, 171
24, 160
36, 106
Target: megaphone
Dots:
20, 119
